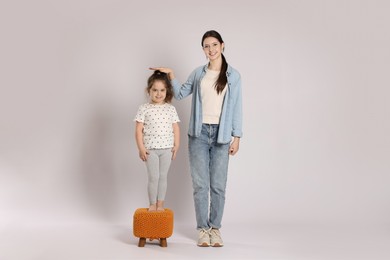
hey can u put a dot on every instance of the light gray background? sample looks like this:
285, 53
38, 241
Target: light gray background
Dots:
315, 77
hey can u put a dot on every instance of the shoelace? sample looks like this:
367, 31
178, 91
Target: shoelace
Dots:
216, 233
205, 232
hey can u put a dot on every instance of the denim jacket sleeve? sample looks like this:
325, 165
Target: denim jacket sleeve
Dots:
231, 114
237, 110
181, 91
231, 117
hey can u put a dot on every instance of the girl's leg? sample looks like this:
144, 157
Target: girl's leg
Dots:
160, 205
152, 166
165, 159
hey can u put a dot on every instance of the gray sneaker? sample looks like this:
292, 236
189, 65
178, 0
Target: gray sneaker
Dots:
215, 238
204, 237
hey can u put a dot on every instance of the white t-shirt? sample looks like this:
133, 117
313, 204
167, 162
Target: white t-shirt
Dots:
157, 120
211, 100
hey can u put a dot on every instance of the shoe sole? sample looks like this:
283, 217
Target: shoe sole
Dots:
204, 245
217, 245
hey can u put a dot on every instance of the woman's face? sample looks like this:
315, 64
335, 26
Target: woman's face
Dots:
212, 48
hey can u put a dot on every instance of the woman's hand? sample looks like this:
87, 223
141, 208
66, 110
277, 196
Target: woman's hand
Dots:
234, 146
168, 71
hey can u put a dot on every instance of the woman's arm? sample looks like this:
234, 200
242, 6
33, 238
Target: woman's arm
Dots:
180, 91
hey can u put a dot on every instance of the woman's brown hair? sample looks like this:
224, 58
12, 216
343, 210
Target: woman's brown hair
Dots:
222, 78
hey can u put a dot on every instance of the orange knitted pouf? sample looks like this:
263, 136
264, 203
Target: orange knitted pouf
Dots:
153, 225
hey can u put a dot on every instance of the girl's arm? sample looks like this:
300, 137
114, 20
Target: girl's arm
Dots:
143, 153
176, 139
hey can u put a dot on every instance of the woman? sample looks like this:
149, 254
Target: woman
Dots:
214, 132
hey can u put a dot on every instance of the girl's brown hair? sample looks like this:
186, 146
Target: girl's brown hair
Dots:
158, 75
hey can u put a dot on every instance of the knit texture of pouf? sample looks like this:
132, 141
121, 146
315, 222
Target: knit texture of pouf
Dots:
153, 225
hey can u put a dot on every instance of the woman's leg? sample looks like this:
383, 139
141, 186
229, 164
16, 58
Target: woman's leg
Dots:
219, 160
199, 155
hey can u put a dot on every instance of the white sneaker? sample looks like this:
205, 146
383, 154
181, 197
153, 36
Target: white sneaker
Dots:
204, 237
215, 238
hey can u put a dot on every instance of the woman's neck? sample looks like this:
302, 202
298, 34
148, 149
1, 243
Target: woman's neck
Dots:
215, 64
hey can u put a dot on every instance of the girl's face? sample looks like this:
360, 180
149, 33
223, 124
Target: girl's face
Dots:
212, 48
158, 92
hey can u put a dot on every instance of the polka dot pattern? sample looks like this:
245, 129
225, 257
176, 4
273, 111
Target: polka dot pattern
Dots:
157, 120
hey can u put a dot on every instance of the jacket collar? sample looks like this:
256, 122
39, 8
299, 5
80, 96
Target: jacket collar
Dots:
228, 71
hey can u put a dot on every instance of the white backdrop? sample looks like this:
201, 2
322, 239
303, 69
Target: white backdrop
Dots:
316, 142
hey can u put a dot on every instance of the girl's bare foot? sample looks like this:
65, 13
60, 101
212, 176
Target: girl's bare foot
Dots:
152, 207
160, 205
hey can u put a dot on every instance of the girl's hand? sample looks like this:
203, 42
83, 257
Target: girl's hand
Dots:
174, 152
168, 71
143, 154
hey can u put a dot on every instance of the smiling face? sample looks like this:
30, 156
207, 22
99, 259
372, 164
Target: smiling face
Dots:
158, 92
212, 48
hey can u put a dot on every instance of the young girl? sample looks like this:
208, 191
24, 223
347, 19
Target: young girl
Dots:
157, 135
214, 132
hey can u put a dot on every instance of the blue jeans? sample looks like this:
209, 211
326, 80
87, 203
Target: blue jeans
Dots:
209, 166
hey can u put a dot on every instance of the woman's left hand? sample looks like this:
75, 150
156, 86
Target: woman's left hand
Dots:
234, 146
166, 70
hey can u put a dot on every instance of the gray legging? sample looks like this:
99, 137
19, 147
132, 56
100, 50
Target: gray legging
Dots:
157, 164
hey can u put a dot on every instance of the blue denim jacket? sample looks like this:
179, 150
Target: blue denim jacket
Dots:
231, 115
